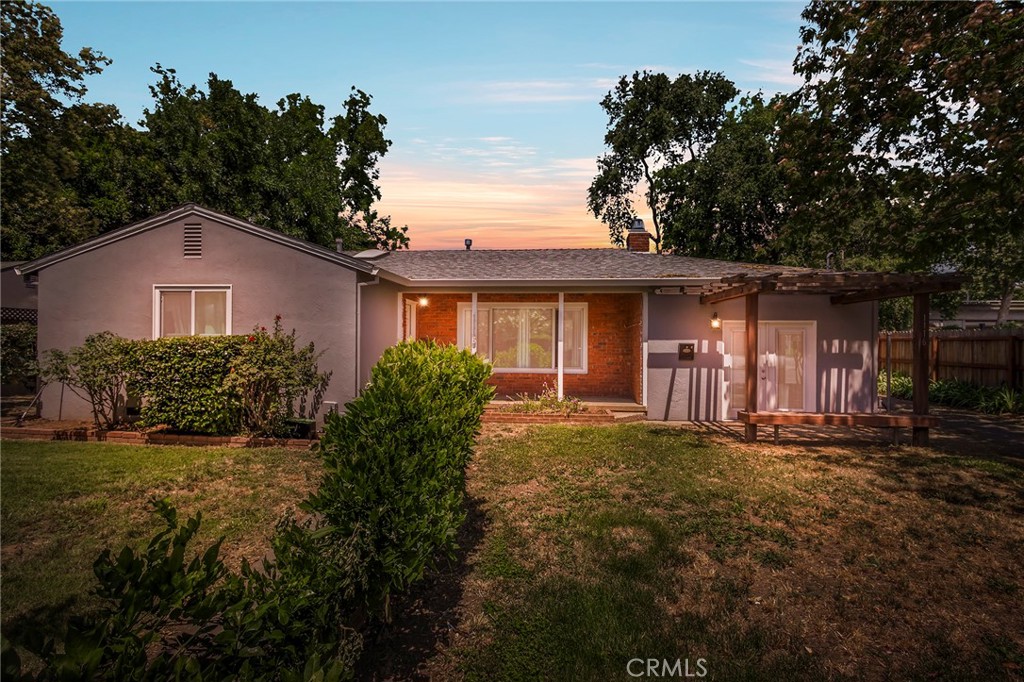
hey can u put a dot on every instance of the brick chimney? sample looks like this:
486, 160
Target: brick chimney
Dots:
637, 239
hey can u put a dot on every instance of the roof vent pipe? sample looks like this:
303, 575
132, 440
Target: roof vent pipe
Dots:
469, 244
339, 245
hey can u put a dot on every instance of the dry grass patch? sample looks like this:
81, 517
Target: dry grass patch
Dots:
64, 502
771, 562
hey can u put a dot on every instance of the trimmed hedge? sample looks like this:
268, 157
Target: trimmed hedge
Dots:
181, 383
212, 385
395, 463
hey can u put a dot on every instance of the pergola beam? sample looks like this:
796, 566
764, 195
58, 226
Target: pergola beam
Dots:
898, 291
737, 291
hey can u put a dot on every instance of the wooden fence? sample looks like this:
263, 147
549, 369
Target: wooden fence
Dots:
984, 357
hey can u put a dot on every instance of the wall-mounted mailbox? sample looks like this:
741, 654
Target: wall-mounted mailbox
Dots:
686, 351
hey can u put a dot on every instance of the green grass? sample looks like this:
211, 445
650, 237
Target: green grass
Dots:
62, 503
607, 544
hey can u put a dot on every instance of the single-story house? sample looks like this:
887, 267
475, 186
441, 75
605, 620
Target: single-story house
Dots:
686, 338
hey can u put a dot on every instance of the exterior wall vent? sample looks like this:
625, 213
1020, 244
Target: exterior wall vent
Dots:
193, 241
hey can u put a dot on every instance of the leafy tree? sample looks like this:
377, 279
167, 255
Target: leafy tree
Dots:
41, 132
36, 75
73, 170
654, 122
911, 115
280, 168
730, 203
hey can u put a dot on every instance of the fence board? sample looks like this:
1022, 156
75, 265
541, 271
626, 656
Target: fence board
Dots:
985, 357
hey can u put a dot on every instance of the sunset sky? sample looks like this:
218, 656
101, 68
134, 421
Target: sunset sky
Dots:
493, 108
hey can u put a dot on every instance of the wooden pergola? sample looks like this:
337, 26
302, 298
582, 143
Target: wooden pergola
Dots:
844, 288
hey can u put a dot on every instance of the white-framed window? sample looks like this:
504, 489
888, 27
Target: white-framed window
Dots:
191, 310
523, 337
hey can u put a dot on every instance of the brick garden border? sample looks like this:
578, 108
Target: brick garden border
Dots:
88, 434
604, 417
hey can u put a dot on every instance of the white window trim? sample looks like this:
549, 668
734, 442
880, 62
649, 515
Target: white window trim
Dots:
461, 328
193, 288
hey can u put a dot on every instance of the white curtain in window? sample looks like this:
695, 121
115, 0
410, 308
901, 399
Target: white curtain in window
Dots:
211, 313
574, 338
175, 313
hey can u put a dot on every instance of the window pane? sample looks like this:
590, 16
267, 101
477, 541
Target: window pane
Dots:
211, 313
175, 313
483, 336
541, 325
505, 335
790, 369
574, 338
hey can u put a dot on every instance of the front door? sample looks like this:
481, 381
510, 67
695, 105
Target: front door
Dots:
785, 366
786, 375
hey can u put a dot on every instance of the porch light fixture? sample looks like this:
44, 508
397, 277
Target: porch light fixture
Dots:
423, 301
716, 323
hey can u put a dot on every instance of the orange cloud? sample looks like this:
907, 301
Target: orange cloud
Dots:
541, 207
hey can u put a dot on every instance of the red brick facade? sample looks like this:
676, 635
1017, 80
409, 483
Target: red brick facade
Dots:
614, 329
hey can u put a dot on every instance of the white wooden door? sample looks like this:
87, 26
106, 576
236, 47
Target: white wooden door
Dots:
785, 366
787, 361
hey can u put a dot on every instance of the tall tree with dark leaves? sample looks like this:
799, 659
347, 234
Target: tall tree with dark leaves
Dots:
913, 114
730, 203
43, 120
279, 168
654, 122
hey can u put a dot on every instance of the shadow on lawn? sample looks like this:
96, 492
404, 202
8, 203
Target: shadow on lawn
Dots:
426, 617
29, 629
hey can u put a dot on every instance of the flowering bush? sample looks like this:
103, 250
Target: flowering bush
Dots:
272, 380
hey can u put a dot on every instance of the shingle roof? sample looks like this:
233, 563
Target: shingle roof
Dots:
608, 266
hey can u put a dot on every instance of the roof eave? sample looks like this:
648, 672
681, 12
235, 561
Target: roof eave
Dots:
547, 283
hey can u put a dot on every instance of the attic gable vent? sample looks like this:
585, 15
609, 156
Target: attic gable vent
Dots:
193, 241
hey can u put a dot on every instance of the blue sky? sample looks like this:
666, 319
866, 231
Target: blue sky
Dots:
493, 108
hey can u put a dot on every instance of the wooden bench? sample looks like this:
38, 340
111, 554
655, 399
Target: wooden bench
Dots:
879, 420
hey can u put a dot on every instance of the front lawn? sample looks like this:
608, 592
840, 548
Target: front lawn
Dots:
587, 547
601, 545
62, 503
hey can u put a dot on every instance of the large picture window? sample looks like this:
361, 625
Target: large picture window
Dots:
523, 337
191, 311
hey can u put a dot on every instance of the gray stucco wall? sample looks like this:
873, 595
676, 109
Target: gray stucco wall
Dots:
15, 292
379, 324
845, 369
111, 288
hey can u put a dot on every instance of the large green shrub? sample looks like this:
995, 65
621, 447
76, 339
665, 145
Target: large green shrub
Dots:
395, 464
181, 383
18, 354
97, 371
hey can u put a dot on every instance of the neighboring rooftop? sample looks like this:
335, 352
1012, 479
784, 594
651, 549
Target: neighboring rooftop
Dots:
540, 265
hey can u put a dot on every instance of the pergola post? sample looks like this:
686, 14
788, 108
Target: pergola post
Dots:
751, 364
921, 349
